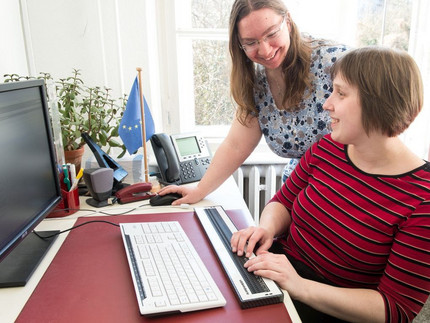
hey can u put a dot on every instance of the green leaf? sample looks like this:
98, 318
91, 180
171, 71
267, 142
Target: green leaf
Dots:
102, 139
114, 143
122, 154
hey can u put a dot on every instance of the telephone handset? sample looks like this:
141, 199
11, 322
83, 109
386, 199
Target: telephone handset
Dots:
181, 158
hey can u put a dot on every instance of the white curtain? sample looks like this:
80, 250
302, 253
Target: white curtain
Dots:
417, 137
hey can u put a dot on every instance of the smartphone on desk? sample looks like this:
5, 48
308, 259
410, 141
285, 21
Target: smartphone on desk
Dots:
181, 158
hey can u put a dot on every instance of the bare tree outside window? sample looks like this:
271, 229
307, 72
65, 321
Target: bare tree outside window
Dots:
213, 105
210, 13
384, 22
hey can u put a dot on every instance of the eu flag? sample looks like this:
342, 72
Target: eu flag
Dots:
130, 127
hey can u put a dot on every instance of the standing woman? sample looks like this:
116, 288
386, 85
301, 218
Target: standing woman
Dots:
279, 81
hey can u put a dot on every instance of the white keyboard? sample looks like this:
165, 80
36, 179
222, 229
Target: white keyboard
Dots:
167, 272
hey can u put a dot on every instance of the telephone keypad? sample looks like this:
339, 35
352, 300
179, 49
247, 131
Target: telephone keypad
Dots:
187, 170
194, 169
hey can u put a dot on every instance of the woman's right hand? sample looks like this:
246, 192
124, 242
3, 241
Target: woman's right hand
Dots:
248, 239
190, 195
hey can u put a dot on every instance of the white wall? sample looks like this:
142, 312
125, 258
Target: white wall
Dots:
105, 39
12, 50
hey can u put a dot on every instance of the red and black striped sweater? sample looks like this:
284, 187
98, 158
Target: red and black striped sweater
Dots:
361, 230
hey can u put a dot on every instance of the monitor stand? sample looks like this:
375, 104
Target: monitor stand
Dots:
17, 268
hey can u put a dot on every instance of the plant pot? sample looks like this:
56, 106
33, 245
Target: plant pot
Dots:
74, 157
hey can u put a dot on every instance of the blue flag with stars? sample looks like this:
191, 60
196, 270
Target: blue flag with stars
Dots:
130, 127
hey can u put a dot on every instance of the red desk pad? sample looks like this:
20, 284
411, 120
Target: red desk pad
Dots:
89, 279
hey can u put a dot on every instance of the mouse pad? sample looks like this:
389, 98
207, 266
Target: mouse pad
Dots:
89, 279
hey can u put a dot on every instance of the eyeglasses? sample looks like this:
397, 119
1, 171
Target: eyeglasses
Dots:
252, 46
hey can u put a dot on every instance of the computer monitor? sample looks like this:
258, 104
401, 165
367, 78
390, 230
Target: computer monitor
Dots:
29, 184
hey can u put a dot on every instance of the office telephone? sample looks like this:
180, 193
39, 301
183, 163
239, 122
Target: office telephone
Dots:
181, 158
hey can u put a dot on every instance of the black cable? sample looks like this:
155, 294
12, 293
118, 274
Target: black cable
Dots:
101, 212
93, 221
72, 209
168, 183
75, 227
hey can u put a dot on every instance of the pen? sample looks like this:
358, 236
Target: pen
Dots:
66, 177
72, 173
78, 177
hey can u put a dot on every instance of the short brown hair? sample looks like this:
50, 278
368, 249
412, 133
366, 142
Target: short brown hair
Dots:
389, 85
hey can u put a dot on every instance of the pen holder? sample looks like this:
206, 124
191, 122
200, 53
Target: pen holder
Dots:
70, 200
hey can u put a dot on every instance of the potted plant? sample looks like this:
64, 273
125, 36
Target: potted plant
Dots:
84, 109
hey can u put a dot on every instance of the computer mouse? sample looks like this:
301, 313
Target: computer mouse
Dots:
167, 199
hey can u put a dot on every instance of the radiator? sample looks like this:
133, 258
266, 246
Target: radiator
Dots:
258, 184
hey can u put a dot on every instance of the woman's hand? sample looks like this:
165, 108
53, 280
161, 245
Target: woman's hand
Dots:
248, 239
190, 195
278, 268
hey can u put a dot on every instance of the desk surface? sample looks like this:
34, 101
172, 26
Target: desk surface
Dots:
13, 300
89, 279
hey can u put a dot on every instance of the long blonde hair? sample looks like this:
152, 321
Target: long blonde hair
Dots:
295, 66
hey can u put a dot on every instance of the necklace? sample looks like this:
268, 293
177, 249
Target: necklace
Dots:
279, 95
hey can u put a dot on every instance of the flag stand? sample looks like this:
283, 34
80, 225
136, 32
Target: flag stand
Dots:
142, 111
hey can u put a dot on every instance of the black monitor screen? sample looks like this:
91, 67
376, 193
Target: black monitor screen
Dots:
29, 187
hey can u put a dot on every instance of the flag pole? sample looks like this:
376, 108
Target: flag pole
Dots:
142, 112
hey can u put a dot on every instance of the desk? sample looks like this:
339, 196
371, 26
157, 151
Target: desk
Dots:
12, 300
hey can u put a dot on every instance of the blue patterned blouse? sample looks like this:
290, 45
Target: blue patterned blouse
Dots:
290, 133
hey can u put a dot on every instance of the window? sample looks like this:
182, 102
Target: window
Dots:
385, 23
356, 22
201, 43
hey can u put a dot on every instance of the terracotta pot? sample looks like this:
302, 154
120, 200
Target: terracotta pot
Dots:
74, 157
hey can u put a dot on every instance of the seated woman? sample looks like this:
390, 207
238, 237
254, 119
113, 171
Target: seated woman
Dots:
348, 234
